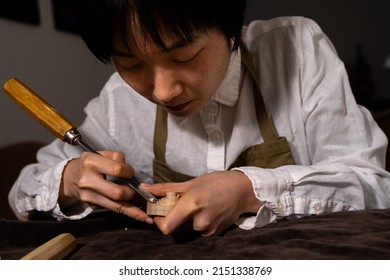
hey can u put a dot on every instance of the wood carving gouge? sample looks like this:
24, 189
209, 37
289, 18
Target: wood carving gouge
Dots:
56, 123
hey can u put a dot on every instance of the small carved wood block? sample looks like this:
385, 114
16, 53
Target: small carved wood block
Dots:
163, 206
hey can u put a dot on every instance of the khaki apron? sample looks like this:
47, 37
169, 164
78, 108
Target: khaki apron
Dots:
272, 153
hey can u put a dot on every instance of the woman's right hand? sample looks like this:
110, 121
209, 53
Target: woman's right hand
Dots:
84, 179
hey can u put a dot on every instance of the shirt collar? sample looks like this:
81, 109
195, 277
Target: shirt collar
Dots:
228, 91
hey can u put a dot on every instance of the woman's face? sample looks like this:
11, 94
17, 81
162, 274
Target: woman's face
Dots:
181, 79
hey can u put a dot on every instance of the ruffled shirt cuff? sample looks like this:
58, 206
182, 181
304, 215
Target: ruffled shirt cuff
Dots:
47, 201
272, 188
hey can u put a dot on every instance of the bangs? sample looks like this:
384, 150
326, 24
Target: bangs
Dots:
109, 24
145, 21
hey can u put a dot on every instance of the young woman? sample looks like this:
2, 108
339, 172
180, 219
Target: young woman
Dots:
249, 124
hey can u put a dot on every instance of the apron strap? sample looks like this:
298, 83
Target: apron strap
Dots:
265, 125
160, 134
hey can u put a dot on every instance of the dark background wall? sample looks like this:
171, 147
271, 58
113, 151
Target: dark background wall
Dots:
348, 24
56, 64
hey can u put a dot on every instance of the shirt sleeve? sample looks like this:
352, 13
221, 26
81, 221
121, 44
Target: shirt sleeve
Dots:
37, 186
346, 148
108, 125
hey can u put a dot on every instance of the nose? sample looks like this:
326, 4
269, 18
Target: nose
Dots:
166, 85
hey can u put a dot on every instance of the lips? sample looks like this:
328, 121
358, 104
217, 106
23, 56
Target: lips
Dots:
178, 108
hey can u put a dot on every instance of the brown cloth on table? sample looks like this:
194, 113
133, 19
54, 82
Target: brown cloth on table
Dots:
109, 236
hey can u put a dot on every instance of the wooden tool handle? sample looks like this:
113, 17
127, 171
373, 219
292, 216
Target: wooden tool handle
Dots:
38, 108
55, 249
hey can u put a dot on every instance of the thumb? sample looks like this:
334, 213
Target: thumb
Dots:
161, 189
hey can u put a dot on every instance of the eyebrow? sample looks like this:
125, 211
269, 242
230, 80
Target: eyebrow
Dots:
176, 45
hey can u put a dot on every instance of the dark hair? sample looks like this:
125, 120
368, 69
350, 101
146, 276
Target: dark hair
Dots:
102, 21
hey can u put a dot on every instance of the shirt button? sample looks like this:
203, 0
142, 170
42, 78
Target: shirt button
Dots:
280, 207
216, 135
318, 207
208, 117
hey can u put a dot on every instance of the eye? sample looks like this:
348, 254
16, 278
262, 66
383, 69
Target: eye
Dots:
183, 61
126, 68
186, 60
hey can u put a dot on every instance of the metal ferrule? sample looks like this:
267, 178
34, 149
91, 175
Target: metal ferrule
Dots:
72, 137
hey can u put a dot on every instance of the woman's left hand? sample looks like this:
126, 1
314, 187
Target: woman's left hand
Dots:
213, 202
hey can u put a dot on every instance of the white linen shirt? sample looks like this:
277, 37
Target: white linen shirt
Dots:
338, 148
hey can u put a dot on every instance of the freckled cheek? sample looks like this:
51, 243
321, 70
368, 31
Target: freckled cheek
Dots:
212, 76
141, 85
196, 82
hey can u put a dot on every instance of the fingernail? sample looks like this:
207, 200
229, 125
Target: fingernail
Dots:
149, 221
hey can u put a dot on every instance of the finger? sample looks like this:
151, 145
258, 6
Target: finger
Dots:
217, 227
121, 207
177, 216
161, 189
162, 226
114, 155
209, 231
106, 166
104, 187
132, 211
